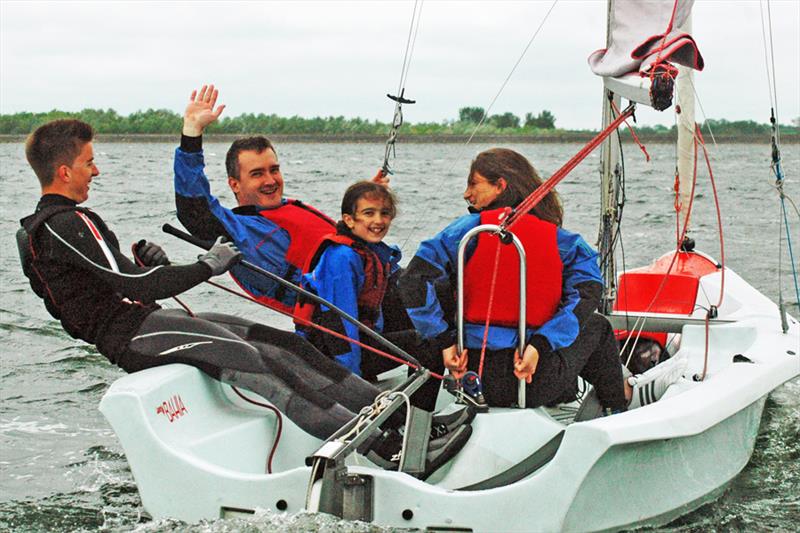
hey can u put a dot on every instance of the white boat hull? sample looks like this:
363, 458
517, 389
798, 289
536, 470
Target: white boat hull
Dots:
202, 455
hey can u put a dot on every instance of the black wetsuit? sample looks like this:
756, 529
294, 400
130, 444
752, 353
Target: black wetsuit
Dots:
74, 264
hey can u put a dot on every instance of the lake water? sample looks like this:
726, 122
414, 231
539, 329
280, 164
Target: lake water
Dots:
61, 467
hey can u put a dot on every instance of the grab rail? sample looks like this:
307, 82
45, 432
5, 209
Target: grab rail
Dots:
522, 330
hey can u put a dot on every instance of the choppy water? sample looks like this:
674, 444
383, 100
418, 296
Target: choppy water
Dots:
61, 467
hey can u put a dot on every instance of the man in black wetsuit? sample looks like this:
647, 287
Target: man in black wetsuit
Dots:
74, 264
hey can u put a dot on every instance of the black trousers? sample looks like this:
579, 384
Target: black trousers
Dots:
316, 393
594, 356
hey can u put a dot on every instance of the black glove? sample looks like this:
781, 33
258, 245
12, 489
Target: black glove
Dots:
150, 254
221, 257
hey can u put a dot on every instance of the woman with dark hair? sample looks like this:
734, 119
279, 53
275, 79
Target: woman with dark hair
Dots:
565, 337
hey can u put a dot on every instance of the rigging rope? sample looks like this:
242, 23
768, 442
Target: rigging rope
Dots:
641, 146
508, 78
536, 196
399, 99
775, 166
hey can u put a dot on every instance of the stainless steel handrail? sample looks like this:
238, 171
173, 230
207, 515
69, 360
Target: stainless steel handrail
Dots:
522, 330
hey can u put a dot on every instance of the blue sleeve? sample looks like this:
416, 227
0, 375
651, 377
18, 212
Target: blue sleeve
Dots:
435, 258
581, 288
199, 210
338, 278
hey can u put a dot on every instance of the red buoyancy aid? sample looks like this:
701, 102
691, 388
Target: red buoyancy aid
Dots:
305, 226
376, 281
543, 276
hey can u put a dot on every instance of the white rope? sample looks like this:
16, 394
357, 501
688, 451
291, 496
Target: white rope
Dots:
774, 84
766, 55
705, 118
412, 38
513, 69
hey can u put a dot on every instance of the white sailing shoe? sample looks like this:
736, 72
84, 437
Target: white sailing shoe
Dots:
650, 386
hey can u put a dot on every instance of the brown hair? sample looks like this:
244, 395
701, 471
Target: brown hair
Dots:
367, 189
257, 144
521, 180
54, 144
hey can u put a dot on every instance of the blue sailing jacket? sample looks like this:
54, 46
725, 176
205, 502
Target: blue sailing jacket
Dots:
261, 240
338, 278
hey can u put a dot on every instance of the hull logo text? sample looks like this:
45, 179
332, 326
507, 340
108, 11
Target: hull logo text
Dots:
172, 408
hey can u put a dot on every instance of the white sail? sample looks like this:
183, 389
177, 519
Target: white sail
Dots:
642, 35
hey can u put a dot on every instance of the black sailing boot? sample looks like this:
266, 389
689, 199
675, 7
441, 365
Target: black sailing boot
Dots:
442, 424
384, 449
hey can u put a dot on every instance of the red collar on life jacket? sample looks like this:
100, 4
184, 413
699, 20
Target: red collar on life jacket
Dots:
376, 278
305, 226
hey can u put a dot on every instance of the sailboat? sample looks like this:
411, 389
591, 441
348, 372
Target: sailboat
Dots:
200, 449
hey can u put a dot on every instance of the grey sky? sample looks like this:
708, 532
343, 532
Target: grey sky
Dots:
341, 58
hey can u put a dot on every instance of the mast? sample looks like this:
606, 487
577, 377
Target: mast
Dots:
686, 129
609, 188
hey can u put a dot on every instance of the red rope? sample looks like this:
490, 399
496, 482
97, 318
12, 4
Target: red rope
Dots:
633, 134
677, 205
669, 69
536, 196
719, 214
278, 422
489, 309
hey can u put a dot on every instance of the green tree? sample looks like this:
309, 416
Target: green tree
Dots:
544, 120
506, 120
471, 114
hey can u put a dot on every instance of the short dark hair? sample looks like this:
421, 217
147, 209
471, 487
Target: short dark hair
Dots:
367, 189
54, 144
257, 144
521, 180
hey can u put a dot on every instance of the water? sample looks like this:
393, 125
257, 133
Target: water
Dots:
61, 467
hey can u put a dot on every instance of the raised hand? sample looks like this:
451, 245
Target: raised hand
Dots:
200, 112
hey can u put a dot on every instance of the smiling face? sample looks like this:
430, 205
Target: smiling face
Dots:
77, 176
480, 192
260, 181
371, 220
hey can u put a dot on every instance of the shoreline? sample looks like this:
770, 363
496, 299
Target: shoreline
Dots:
568, 137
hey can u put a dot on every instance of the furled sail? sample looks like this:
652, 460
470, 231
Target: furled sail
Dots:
644, 38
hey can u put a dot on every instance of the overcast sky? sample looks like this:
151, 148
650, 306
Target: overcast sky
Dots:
341, 58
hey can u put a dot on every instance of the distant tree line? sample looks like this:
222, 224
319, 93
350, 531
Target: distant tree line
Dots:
544, 120
164, 121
